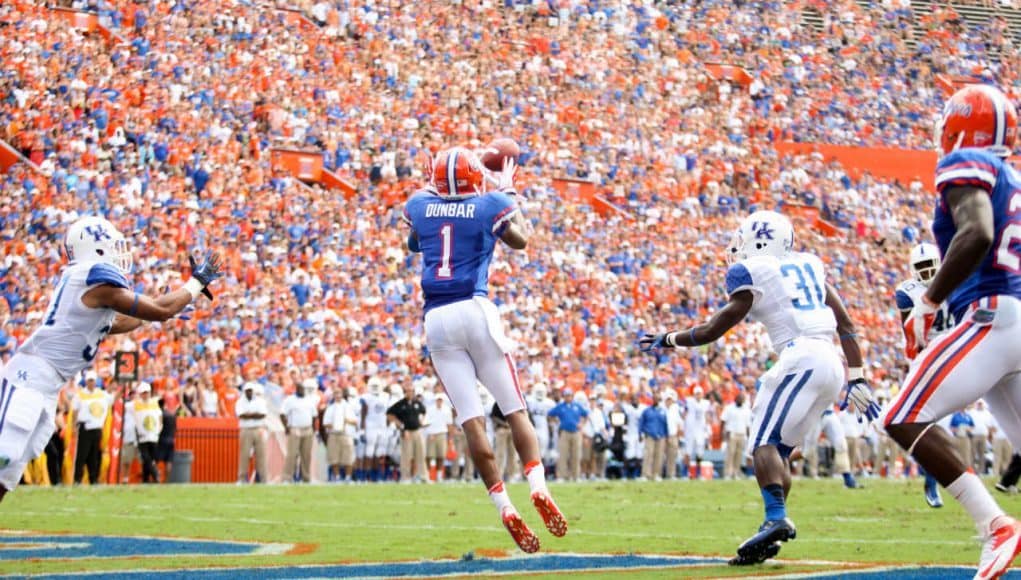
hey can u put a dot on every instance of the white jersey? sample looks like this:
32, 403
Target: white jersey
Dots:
909, 292
540, 412
789, 295
696, 414
71, 332
375, 411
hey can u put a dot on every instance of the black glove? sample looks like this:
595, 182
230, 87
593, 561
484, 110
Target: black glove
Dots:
650, 342
207, 271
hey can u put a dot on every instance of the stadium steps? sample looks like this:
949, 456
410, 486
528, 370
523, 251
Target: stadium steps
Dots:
813, 19
977, 16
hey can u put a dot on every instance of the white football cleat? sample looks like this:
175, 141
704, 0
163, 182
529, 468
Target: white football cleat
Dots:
999, 548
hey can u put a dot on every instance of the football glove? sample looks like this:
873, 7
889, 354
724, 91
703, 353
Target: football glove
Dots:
917, 326
505, 178
859, 398
206, 272
651, 342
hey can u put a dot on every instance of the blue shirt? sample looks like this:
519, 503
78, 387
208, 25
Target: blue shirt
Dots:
457, 238
652, 423
569, 415
1000, 271
961, 419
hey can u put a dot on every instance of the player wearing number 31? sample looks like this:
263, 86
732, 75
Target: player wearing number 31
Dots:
456, 228
787, 292
92, 298
977, 226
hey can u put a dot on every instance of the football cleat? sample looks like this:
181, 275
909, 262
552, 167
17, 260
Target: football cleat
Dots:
519, 530
766, 553
551, 515
932, 496
761, 544
999, 548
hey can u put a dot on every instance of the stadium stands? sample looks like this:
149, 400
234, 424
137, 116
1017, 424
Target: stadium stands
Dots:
166, 123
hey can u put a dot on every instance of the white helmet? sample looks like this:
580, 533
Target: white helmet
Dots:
94, 239
539, 391
764, 233
925, 261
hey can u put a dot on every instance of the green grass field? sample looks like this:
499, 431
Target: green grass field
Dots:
886, 522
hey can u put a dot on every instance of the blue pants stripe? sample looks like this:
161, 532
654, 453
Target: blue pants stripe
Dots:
774, 436
769, 410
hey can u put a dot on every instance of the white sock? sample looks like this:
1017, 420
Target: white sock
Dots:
498, 494
536, 475
975, 498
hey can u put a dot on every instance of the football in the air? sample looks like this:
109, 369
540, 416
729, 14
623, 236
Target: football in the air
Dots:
498, 150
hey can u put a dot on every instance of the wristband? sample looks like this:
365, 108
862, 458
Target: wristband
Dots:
134, 306
855, 373
194, 287
669, 339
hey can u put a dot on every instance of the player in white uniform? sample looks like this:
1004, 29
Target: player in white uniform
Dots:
788, 293
373, 425
92, 299
925, 262
696, 428
539, 407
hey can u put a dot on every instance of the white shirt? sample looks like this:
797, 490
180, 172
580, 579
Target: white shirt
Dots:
983, 420
540, 412
342, 416
148, 419
673, 420
243, 407
439, 419
130, 436
299, 411
737, 419
92, 407
375, 411
696, 414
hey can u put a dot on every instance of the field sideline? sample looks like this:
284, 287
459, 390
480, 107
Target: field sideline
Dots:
887, 522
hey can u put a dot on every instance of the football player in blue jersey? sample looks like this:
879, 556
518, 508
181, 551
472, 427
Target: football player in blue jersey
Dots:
92, 299
977, 226
456, 227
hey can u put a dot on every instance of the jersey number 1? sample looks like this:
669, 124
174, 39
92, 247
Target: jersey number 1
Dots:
807, 300
447, 241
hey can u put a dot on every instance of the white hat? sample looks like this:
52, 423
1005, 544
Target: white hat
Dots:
697, 391
143, 387
310, 384
91, 376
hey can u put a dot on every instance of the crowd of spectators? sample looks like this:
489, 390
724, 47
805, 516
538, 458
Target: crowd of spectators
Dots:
166, 128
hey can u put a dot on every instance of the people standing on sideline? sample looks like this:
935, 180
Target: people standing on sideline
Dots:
91, 407
300, 416
340, 427
251, 412
439, 430
737, 418
653, 427
570, 416
129, 443
148, 423
674, 431
409, 413
167, 439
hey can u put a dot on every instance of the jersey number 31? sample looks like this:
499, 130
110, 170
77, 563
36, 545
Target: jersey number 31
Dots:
803, 275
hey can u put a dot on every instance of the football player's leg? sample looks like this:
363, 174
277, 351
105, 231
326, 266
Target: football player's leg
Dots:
26, 425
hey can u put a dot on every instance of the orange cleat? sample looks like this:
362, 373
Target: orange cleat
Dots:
999, 548
519, 530
555, 521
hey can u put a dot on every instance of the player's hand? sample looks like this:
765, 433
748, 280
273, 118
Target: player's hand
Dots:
206, 272
859, 398
505, 178
651, 342
917, 326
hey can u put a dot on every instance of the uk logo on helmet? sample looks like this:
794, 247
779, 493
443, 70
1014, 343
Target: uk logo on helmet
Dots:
98, 232
763, 231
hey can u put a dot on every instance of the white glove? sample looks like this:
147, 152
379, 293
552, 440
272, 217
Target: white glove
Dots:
859, 398
505, 178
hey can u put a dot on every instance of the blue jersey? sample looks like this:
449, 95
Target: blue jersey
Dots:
457, 238
1000, 271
